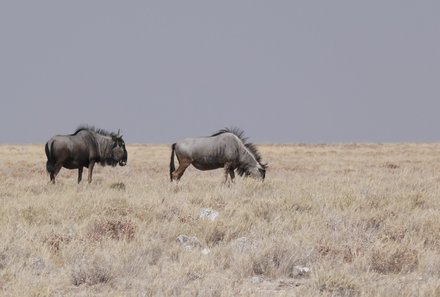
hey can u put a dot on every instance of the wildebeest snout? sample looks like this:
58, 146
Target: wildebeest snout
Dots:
119, 155
123, 161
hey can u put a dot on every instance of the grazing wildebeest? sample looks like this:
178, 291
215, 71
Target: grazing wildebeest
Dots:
84, 148
225, 149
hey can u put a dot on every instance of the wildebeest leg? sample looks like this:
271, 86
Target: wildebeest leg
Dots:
91, 165
80, 172
229, 171
52, 177
55, 172
177, 174
232, 174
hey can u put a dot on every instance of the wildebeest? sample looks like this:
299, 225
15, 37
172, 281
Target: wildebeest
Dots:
84, 148
225, 149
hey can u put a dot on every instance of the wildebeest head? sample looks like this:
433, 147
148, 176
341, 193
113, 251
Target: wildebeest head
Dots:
119, 153
257, 172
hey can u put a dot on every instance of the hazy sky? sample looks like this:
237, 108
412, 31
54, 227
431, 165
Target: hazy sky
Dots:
284, 71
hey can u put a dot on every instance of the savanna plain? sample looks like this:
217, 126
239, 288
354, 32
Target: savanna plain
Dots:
329, 220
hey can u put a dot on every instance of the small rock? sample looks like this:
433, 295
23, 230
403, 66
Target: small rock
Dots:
300, 271
209, 214
205, 251
256, 280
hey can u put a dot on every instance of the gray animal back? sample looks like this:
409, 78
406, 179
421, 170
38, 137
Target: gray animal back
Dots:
224, 147
83, 141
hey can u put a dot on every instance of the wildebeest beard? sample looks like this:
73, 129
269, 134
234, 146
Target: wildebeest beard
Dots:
243, 169
110, 161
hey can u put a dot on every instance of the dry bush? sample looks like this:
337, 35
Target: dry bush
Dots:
215, 235
428, 230
118, 186
34, 215
56, 241
337, 252
393, 259
3, 261
117, 207
336, 284
107, 228
91, 271
390, 165
279, 259
273, 262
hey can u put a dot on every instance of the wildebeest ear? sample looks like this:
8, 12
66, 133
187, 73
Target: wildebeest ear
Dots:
119, 133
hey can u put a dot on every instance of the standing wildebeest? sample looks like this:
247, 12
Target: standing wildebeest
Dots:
225, 149
84, 148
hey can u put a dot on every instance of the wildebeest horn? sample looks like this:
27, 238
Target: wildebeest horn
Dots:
119, 132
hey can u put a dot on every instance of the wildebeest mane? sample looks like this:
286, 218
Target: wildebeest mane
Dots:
240, 134
95, 130
234, 130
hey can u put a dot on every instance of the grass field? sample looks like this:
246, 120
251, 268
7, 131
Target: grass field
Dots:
329, 220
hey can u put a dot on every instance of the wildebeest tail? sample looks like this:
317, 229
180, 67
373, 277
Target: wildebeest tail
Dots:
172, 167
50, 164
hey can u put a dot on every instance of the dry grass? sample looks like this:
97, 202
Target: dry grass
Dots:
364, 219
